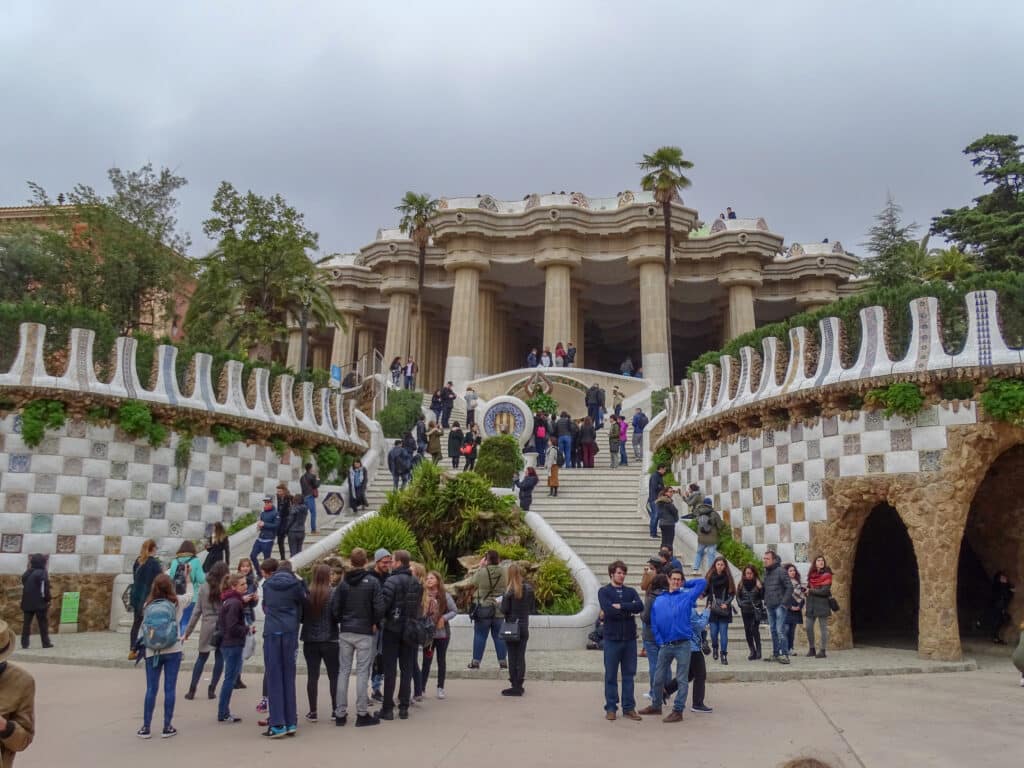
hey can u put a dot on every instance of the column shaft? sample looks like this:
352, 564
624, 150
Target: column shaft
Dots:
740, 318
485, 334
397, 341
557, 305
654, 323
294, 349
462, 335
344, 343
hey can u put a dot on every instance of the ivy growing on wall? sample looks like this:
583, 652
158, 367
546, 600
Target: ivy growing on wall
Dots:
1003, 400
901, 399
39, 416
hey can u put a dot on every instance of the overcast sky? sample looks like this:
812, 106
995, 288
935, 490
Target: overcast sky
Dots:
805, 113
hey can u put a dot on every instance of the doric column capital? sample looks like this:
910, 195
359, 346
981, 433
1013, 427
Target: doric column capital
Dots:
647, 255
465, 260
489, 286
740, 269
557, 258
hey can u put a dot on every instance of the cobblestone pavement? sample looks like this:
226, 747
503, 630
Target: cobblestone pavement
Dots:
88, 715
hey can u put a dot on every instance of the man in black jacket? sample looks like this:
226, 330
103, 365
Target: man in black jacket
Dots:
778, 589
35, 600
447, 403
357, 604
402, 593
655, 485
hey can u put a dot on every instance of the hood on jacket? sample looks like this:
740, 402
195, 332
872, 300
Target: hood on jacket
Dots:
229, 593
352, 578
37, 561
281, 581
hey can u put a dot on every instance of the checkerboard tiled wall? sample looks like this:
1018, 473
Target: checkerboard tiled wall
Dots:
90, 495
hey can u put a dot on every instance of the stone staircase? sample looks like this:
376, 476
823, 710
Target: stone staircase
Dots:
458, 410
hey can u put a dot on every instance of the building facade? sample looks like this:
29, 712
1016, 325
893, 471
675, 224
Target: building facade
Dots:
504, 277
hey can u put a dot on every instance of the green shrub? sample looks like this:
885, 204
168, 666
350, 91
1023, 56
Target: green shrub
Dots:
331, 463
400, 414
379, 531
566, 605
553, 581
901, 399
663, 456
1003, 400
39, 416
736, 552
135, 419
279, 446
957, 390
433, 560
59, 320
541, 402
99, 414
225, 435
505, 551
499, 459
157, 434
243, 521
658, 398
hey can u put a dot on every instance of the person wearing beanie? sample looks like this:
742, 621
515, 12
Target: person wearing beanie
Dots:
35, 600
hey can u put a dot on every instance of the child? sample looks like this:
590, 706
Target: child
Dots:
35, 600
233, 631
552, 459
250, 600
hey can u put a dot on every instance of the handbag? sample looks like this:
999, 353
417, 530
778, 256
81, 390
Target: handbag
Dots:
761, 611
510, 631
833, 605
479, 611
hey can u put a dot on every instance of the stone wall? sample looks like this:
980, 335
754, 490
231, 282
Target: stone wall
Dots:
93, 606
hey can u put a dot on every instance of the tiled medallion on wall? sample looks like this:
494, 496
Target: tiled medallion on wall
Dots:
10, 543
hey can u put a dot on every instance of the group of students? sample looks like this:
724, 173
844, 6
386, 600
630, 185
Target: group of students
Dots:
562, 357
577, 439
407, 452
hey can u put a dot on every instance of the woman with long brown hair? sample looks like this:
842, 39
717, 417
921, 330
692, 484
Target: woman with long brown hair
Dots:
750, 599
516, 606
206, 616
320, 639
161, 641
146, 568
218, 549
721, 591
439, 605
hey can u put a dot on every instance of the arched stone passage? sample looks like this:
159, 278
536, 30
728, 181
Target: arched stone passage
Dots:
885, 590
993, 541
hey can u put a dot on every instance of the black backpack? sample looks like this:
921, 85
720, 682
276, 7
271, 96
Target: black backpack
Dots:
181, 577
705, 519
560, 458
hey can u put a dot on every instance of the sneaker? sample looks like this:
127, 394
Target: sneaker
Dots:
473, 665
292, 730
386, 714
418, 697
229, 718
647, 695
168, 731
311, 717
143, 732
770, 658
377, 696
783, 659
701, 708
503, 664
340, 721
403, 713
277, 732
262, 706
441, 694
366, 720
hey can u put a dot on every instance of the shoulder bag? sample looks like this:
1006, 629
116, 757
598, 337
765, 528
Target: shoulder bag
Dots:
480, 612
510, 631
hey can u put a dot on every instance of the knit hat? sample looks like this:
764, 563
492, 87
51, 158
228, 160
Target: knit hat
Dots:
380, 554
707, 500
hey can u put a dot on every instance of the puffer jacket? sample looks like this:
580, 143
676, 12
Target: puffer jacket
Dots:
283, 595
748, 596
402, 593
670, 612
319, 628
357, 602
778, 588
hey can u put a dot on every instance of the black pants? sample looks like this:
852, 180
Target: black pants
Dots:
698, 675
470, 462
44, 629
326, 652
668, 535
455, 461
446, 414
517, 660
136, 626
197, 670
470, 417
281, 537
752, 630
398, 660
439, 652
295, 542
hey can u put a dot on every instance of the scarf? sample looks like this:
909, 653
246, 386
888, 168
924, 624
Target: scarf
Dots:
820, 579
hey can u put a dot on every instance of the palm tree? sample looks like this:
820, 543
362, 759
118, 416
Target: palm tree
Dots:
664, 177
418, 212
949, 264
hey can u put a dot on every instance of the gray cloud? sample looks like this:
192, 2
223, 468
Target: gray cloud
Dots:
804, 113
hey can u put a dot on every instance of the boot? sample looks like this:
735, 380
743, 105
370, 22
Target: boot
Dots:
191, 693
810, 652
211, 692
725, 659
821, 654
714, 652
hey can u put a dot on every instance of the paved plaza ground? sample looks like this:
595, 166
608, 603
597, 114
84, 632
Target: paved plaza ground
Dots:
88, 715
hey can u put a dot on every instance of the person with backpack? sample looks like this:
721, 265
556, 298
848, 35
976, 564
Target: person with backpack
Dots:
320, 640
639, 425
207, 616
218, 548
556, 460
516, 605
709, 523
284, 503
541, 436
750, 599
309, 489
283, 597
489, 583
398, 465
455, 444
402, 597
35, 600
186, 556
439, 606
721, 592
160, 644
267, 528
145, 568
233, 633
526, 486
469, 450
297, 513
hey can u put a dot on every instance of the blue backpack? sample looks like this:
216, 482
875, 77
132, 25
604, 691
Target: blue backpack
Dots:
159, 625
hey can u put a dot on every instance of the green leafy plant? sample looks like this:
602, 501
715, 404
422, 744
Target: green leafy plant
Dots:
1003, 400
541, 402
433, 560
505, 551
658, 398
99, 414
380, 531
136, 419
157, 435
564, 605
243, 521
499, 459
331, 463
225, 435
39, 416
901, 399
399, 415
183, 451
553, 581
957, 390
663, 456
279, 446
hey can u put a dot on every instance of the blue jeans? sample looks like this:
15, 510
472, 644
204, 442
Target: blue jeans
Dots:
565, 446
622, 453
169, 663
311, 506
777, 624
540, 445
481, 627
619, 653
232, 669
679, 653
653, 514
279, 652
261, 547
710, 550
186, 616
651, 648
410, 382
719, 631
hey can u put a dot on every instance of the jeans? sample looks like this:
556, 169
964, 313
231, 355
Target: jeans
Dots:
638, 445
697, 674
398, 666
169, 663
613, 449
279, 651
540, 445
592, 412
822, 625
263, 547
330, 655
410, 382
680, 653
26, 627
668, 535
446, 415
480, 629
311, 506
790, 635
752, 631
565, 445
218, 669
517, 660
295, 541
777, 624
186, 616
651, 648
440, 652
364, 648
652, 511
705, 549
232, 669
623, 459
719, 631
619, 653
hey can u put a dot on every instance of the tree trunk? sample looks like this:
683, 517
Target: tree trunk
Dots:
666, 208
417, 331
303, 340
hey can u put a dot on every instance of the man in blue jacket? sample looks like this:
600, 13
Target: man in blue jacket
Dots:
283, 595
619, 606
655, 485
267, 527
670, 621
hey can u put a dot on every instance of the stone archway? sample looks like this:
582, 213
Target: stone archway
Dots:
885, 588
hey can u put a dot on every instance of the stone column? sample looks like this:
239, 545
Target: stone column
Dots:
486, 342
364, 345
740, 316
578, 319
740, 274
463, 332
438, 347
558, 309
654, 321
398, 339
294, 348
344, 344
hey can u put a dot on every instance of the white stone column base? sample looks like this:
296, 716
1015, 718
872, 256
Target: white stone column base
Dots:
459, 371
656, 369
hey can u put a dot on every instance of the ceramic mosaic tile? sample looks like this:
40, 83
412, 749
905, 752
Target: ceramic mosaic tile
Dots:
175, 529
801, 549
99, 450
10, 543
796, 471
734, 463
873, 421
46, 484
178, 494
19, 462
784, 533
813, 449
16, 426
195, 512
831, 468
782, 454
216, 462
769, 476
136, 527
796, 432
900, 439
851, 445
161, 473
158, 510
930, 461
876, 463
111, 545
197, 478
115, 508
69, 505
212, 495
88, 563
227, 515
199, 444
92, 526
65, 545
768, 438
15, 503
758, 494
829, 426
42, 524
798, 511
72, 465
755, 458
744, 480
815, 489
139, 490
142, 453
783, 493
714, 468
747, 517
97, 487
744, 444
